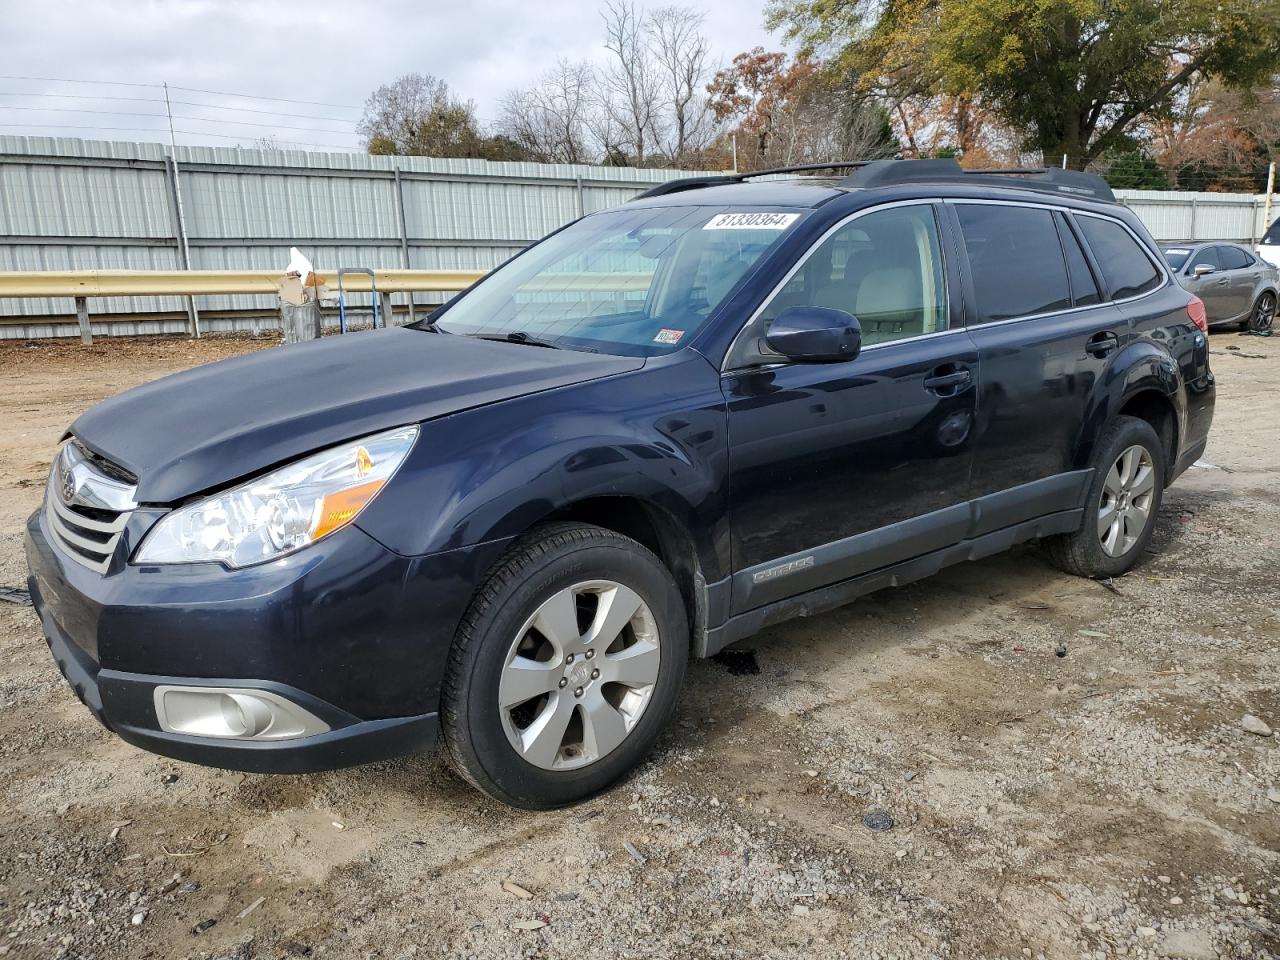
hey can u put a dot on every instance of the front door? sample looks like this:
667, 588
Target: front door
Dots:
839, 469
1214, 288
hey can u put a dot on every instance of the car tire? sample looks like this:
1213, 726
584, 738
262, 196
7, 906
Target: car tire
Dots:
1263, 316
540, 626
1122, 505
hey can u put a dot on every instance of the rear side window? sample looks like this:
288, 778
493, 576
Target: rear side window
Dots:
1016, 261
1084, 288
1233, 258
1127, 270
1273, 233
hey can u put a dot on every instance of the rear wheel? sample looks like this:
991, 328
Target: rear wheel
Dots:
1264, 314
566, 667
1122, 504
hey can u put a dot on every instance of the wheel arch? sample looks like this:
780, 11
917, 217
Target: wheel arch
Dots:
1144, 382
660, 531
1157, 409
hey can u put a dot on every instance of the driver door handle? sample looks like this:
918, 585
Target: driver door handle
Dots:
949, 383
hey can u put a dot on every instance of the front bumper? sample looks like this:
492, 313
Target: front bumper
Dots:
124, 704
350, 631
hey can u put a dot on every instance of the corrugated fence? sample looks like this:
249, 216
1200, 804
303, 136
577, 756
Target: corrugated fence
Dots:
69, 204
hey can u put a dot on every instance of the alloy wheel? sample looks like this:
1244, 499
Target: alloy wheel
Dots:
1264, 314
579, 675
1127, 495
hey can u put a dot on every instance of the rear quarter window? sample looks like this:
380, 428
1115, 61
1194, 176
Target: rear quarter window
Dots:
1126, 268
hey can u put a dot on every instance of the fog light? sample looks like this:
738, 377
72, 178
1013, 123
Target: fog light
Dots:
233, 713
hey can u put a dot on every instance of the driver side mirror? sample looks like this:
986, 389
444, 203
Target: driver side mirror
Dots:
1202, 270
809, 334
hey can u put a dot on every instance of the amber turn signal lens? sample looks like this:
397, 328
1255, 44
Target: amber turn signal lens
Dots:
340, 508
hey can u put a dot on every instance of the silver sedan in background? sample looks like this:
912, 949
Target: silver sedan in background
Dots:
1235, 285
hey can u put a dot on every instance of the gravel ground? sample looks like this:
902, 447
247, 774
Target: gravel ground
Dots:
1109, 802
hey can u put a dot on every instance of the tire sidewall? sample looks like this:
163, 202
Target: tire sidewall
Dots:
1127, 432
522, 783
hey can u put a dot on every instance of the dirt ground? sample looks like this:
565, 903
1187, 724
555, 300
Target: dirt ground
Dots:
1105, 803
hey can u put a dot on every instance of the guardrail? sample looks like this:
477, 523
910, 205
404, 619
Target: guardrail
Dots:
80, 285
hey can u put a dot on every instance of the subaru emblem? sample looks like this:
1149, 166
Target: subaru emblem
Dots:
66, 484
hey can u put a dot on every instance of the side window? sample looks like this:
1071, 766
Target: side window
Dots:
1232, 258
1016, 260
1204, 257
1084, 288
885, 268
1126, 268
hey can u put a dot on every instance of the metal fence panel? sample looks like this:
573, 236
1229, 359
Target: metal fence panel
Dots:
68, 203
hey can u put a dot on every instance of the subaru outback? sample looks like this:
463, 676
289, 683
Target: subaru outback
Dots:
666, 426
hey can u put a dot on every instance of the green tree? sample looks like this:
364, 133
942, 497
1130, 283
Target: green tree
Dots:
1073, 76
1134, 170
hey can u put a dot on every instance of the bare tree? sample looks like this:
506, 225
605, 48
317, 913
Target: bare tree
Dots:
682, 55
630, 89
551, 120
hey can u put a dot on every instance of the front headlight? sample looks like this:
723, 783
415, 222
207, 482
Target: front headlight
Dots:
282, 511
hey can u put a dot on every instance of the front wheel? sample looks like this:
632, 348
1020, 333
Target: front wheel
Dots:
565, 668
1122, 504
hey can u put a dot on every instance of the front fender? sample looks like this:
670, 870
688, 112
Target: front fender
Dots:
1142, 366
656, 435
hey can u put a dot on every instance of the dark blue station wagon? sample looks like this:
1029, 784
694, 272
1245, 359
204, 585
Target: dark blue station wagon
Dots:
653, 433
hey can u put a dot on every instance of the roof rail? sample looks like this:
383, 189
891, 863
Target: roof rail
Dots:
881, 173
716, 180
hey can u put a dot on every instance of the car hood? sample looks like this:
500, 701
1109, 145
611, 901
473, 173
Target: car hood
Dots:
206, 427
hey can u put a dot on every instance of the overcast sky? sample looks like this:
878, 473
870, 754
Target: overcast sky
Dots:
330, 51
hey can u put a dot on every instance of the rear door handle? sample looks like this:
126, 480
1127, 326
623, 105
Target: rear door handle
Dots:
1100, 344
948, 384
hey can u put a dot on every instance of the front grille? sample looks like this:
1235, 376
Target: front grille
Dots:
89, 535
87, 504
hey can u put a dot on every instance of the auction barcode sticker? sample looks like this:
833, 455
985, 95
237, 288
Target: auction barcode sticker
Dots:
751, 221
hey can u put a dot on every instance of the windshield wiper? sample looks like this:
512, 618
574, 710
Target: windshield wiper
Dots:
518, 336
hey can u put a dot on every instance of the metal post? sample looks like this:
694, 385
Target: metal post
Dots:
403, 225
582, 204
82, 314
385, 299
193, 314
1271, 188
1064, 161
734, 141
1191, 234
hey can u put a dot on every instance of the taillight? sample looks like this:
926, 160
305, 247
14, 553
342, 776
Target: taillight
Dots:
1195, 312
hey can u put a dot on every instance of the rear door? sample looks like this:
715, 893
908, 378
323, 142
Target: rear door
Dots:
1044, 335
1242, 273
838, 469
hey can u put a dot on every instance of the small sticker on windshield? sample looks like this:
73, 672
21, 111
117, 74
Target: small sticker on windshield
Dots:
1177, 252
668, 336
751, 221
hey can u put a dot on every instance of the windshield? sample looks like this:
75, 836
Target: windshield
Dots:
1176, 256
636, 282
